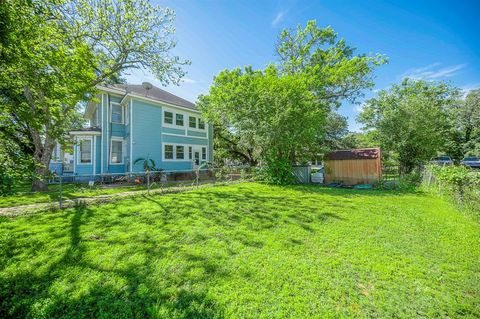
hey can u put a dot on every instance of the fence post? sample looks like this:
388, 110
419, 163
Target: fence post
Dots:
60, 193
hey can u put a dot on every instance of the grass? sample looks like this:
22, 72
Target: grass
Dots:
245, 251
23, 195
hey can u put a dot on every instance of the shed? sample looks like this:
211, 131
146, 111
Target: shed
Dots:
355, 166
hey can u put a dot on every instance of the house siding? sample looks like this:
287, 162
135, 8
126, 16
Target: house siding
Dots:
146, 132
143, 135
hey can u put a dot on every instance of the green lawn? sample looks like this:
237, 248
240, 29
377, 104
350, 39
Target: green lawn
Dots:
23, 196
245, 251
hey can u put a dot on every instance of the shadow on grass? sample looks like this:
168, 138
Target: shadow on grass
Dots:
32, 293
150, 286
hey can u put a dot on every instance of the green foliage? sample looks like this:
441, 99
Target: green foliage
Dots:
244, 251
464, 134
54, 53
411, 120
460, 182
148, 164
280, 113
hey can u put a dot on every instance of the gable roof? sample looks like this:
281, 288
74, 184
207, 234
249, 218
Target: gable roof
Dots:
359, 153
155, 93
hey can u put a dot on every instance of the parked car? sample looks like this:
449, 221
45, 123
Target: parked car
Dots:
442, 160
471, 161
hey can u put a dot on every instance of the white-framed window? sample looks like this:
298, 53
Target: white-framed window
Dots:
85, 150
201, 124
116, 113
192, 122
116, 151
180, 152
167, 117
179, 119
184, 152
168, 151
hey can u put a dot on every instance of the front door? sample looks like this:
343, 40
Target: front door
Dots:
196, 158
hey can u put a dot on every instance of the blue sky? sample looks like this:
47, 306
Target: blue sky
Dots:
435, 40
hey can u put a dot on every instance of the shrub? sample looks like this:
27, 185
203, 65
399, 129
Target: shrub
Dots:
458, 181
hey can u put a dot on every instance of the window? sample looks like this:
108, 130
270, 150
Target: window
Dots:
190, 151
204, 153
116, 153
85, 151
192, 121
117, 113
201, 124
180, 152
168, 151
179, 119
168, 117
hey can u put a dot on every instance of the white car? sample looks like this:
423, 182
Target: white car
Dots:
471, 161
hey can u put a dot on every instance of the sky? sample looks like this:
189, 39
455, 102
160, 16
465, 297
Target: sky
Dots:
434, 40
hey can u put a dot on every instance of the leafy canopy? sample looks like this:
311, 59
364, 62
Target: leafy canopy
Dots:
279, 114
54, 53
410, 119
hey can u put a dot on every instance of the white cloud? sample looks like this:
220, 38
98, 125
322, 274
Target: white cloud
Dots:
188, 81
433, 71
278, 18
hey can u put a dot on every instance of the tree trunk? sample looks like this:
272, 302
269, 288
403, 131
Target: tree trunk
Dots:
42, 155
39, 184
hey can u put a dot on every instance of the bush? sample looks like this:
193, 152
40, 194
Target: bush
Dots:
458, 181
6, 182
277, 171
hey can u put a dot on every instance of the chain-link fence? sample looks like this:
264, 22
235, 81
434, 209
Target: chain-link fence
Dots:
115, 183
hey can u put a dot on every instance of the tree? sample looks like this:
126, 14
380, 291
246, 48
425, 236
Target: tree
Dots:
411, 119
279, 114
54, 53
464, 135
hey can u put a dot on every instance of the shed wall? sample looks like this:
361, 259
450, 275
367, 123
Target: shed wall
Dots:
354, 171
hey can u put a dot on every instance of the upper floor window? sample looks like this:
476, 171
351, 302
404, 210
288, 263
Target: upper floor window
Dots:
167, 117
85, 156
192, 121
117, 113
116, 153
201, 124
179, 119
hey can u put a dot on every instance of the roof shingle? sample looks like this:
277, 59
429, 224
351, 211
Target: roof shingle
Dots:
154, 93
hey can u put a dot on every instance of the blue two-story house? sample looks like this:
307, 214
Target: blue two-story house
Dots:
129, 122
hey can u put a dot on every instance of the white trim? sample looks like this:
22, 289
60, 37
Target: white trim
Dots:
161, 103
80, 152
117, 139
101, 139
88, 133
195, 148
122, 112
94, 154
107, 136
187, 136
74, 155
131, 137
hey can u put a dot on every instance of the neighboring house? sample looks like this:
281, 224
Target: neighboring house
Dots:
140, 121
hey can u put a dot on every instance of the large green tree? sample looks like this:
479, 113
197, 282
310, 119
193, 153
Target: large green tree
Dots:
280, 114
411, 119
464, 135
54, 53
